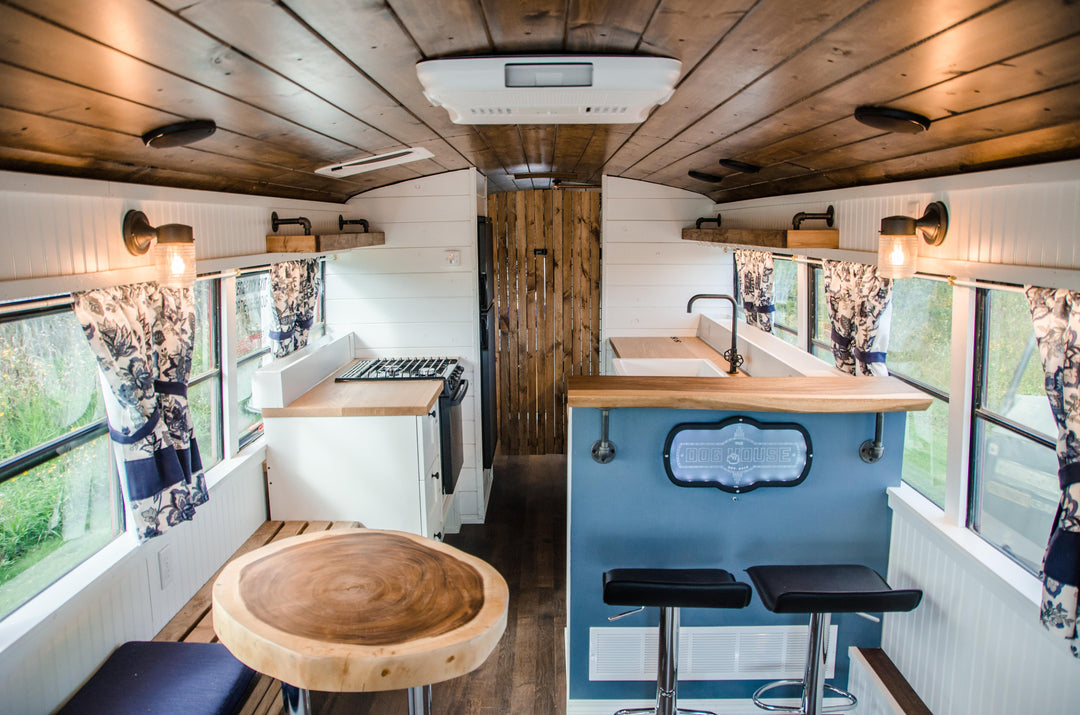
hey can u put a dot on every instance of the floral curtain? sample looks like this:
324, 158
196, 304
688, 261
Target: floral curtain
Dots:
143, 338
755, 269
1055, 315
860, 310
294, 286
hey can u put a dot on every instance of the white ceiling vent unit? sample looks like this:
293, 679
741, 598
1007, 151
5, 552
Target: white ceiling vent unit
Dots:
563, 89
371, 163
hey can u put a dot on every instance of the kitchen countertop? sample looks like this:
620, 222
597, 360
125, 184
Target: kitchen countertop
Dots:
764, 394
365, 398
666, 348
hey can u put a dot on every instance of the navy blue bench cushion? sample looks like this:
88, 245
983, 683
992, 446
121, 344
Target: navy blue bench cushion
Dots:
164, 678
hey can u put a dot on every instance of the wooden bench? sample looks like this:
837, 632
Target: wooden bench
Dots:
194, 622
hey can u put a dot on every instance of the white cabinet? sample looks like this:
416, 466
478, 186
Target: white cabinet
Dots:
382, 471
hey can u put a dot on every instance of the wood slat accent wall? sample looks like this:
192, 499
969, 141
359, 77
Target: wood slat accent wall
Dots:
548, 307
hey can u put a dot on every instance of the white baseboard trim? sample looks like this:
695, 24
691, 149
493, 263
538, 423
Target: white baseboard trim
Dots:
720, 707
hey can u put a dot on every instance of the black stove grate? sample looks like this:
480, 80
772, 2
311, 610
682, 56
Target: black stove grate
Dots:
399, 369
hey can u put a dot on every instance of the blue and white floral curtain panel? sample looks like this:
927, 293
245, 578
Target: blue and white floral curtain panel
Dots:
294, 289
1055, 315
860, 310
755, 269
143, 338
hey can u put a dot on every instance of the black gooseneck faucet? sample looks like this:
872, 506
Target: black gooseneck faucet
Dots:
732, 356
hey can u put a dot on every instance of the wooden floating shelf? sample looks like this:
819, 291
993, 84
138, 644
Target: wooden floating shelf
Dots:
768, 238
327, 242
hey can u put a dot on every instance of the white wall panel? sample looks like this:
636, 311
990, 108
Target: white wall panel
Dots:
405, 298
64, 227
974, 645
1015, 217
649, 272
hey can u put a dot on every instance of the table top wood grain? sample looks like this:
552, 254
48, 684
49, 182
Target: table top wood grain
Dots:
360, 610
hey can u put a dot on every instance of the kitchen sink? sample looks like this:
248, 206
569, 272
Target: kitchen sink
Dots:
672, 367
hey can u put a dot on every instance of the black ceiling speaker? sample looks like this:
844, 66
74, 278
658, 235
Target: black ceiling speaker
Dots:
892, 120
702, 176
739, 166
179, 134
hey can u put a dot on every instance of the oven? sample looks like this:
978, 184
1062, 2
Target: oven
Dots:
453, 394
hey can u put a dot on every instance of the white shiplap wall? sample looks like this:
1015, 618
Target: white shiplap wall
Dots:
57, 227
405, 298
1029, 216
974, 646
648, 271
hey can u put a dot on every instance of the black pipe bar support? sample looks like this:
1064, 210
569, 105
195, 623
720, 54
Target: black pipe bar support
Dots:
707, 219
873, 450
342, 222
826, 216
275, 222
603, 449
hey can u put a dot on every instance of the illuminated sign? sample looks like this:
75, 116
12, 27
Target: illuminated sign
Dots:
737, 454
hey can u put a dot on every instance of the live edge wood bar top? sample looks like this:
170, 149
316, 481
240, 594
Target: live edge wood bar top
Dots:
360, 610
762, 394
365, 398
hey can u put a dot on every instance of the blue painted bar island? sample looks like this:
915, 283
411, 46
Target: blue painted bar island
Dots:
631, 513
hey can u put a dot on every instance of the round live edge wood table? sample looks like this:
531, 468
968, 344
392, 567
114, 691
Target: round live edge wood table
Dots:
359, 610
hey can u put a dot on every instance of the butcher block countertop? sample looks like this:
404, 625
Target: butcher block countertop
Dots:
365, 398
666, 348
763, 394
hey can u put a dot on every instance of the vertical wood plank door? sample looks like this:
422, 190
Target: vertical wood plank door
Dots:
547, 288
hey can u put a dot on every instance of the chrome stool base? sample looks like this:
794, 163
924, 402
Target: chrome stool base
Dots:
852, 701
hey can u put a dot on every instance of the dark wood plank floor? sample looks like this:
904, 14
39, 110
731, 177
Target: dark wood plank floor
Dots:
525, 539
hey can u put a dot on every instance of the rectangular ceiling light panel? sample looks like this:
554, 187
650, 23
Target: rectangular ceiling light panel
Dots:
594, 89
371, 163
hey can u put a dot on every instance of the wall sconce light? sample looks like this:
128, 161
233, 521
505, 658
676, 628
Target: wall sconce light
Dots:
898, 246
175, 254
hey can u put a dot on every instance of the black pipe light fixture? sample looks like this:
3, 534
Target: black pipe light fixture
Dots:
179, 134
898, 246
174, 257
702, 176
892, 120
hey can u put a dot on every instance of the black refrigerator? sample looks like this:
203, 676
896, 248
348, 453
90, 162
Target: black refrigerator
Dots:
489, 342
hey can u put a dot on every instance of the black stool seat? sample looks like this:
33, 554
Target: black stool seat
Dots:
829, 588
675, 588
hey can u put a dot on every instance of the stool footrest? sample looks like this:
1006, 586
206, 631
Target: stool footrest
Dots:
852, 701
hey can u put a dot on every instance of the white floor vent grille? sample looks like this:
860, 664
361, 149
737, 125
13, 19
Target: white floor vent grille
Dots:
705, 653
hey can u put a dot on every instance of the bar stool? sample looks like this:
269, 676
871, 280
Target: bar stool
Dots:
670, 590
822, 590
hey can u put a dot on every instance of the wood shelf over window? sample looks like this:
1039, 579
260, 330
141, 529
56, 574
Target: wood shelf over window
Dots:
767, 238
326, 242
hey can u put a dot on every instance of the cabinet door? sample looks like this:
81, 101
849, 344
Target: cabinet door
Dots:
431, 489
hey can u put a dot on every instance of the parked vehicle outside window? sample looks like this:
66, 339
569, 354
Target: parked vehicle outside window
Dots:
252, 346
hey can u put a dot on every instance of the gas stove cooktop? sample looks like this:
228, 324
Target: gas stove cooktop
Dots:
446, 369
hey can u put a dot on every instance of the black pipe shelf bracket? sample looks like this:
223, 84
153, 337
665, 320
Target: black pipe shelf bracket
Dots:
276, 222
603, 449
707, 219
342, 222
826, 216
873, 450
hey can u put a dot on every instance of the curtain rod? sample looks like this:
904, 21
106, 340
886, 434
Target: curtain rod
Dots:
951, 280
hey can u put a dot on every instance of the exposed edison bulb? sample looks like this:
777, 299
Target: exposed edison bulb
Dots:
897, 256
175, 257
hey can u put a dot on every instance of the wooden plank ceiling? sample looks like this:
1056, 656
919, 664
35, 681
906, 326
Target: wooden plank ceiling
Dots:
298, 84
